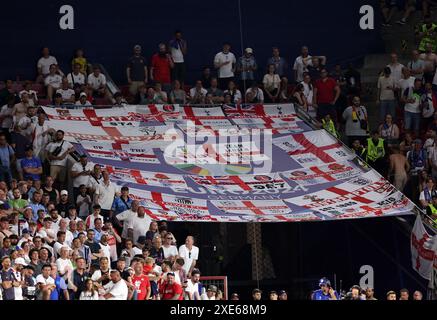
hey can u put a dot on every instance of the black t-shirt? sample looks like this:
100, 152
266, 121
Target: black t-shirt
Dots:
63, 208
51, 193
136, 65
8, 275
79, 282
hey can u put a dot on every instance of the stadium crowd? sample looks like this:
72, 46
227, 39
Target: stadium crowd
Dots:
95, 242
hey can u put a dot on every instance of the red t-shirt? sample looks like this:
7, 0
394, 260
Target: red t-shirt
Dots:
141, 283
169, 291
325, 90
161, 69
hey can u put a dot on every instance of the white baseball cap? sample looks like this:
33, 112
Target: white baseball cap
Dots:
249, 50
64, 192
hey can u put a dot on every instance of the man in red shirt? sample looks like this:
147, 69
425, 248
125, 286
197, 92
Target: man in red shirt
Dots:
160, 69
326, 93
141, 282
170, 290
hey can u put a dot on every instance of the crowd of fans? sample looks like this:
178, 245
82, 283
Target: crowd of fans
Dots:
96, 243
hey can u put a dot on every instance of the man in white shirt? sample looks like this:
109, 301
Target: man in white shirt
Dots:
105, 194
301, 64
41, 133
395, 67
225, 62
178, 48
68, 94
52, 81
76, 77
97, 82
190, 253
192, 289
117, 288
58, 151
198, 93
126, 216
44, 64
80, 172
138, 225
45, 283
411, 95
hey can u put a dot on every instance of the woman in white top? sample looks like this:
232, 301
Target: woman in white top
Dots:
308, 91
234, 93
271, 82
389, 131
89, 293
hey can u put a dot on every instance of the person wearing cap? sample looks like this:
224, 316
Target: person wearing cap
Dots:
283, 295
178, 49
64, 203
31, 166
83, 100
211, 293
80, 172
225, 62
326, 292
246, 68
136, 71
376, 153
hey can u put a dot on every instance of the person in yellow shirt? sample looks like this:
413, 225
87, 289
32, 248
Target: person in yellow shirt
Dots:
80, 59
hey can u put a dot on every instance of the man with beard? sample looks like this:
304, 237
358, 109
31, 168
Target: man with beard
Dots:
57, 155
160, 70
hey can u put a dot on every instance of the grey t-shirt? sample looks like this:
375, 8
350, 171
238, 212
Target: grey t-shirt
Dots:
353, 128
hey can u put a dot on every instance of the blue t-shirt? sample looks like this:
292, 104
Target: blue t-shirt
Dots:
8, 275
119, 206
5, 153
60, 286
319, 295
33, 162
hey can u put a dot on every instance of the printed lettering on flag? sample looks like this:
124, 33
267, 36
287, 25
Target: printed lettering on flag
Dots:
252, 207
322, 174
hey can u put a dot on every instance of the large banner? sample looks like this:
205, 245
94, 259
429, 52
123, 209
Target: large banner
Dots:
234, 163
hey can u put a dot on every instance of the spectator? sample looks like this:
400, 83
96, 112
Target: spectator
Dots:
370, 292
89, 292
32, 94
170, 290
234, 93
298, 97
58, 150
66, 92
404, 294
141, 282
117, 288
279, 62
170, 251
211, 293
430, 59
326, 292
246, 67
388, 8
326, 93
376, 153
136, 71
417, 295
206, 76
301, 64
53, 82
31, 165
194, 287
386, 94
427, 193
89, 221
283, 295
7, 156
97, 83
83, 100
355, 117
329, 126
41, 134
215, 92
45, 283
225, 62
20, 109
273, 295
271, 82
104, 195
410, 7
398, 169
8, 91
80, 172
190, 253
198, 93
120, 101
254, 94
121, 219
76, 77
138, 225
44, 64
256, 294
416, 65
178, 49
160, 96
178, 95
83, 202
79, 59
411, 96
396, 68
160, 70
6, 115
389, 131
316, 67
78, 279
428, 105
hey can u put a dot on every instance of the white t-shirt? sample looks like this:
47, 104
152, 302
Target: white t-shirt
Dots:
75, 78
301, 65
259, 94
97, 275
118, 290
139, 225
226, 70
407, 87
237, 95
271, 82
193, 92
105, 195
192, 287
177, 55
66, 94
89, 221
40, 142
53, 80
45, 63
125, 216
171, 251
106, 249
77, 167
188, 259
63, 264
65, 146
396, 71
84, 209
7, 113
96, 82
40, 279
87, 103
